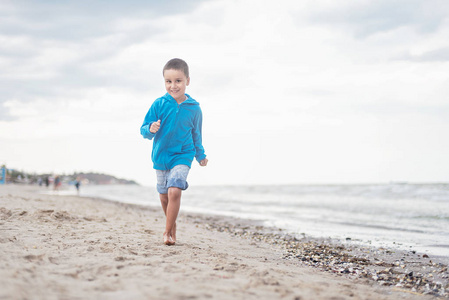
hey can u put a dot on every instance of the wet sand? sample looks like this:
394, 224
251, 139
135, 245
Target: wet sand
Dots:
67, 247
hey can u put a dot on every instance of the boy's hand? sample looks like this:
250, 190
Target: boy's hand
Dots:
203, 163
155, 126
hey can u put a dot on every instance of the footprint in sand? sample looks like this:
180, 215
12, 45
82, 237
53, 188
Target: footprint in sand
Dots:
32, 257
5, 213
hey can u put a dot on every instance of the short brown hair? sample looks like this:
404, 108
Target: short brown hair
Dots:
177, 64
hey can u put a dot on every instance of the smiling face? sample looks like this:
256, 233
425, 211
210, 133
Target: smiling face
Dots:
176, 83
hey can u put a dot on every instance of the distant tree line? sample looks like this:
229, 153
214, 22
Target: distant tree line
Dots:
16, 176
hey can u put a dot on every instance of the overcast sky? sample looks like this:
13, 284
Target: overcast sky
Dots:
291, 91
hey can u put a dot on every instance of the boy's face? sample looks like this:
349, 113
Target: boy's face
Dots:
176, 83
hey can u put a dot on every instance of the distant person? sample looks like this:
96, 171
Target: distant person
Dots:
174, 121
47, 181
77, 185
57, 183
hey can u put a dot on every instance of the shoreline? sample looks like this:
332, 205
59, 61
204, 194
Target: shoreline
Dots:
112, 250
408, 229
261, 228
408, 270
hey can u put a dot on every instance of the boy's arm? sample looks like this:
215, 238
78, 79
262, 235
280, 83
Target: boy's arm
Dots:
197, 137
150, 118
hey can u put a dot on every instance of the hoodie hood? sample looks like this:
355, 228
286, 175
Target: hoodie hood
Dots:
188, 101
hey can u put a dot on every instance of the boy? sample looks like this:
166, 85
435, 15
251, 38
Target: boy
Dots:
174, 121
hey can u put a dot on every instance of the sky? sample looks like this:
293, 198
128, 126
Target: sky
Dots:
292, 92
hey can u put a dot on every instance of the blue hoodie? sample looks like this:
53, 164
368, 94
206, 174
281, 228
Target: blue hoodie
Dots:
178, 140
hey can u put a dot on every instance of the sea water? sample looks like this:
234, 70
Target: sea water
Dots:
403, 216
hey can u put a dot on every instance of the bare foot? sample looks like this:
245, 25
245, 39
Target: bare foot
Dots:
168, 240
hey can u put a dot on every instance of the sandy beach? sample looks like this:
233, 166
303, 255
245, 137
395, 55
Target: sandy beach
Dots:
67, 247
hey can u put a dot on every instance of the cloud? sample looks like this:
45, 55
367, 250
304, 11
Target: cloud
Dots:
67, 20
4, 113
56, 49
437, 55
367, 18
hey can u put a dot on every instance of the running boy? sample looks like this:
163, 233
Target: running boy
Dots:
174, 121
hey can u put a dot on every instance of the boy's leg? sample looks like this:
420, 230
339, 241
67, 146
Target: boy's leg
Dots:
172, 210
171, 183
164, 203
162, 177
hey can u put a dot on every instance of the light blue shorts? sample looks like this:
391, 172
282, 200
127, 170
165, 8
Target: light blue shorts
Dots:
176, 177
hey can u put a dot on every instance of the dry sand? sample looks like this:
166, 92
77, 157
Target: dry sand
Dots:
66, 247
